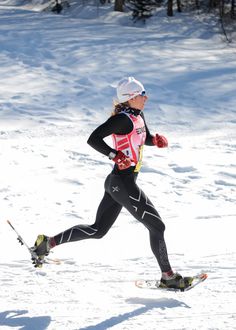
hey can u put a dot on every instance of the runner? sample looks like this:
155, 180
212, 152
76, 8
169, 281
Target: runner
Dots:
130, 133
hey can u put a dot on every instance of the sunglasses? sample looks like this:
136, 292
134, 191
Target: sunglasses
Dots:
143, 93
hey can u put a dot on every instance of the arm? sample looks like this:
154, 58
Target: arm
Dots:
118, 124
149, 136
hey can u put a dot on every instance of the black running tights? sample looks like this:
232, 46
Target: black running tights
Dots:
122, 191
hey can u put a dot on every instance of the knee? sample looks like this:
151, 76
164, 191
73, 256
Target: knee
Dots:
162, 227
99, 234
157, 227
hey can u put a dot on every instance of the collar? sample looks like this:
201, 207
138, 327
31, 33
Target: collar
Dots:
132, 111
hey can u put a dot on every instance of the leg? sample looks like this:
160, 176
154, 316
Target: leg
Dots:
107, 213
126, 192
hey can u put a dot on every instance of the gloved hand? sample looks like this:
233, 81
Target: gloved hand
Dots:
122, 160
160, 141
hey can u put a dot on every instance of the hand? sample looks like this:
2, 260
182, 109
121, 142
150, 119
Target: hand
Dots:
160, 141
122, 160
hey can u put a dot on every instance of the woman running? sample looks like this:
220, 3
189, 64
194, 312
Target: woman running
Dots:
130, 133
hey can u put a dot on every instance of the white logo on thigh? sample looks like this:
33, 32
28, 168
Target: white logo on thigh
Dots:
115, 189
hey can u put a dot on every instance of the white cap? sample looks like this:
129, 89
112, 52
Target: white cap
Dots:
128, 88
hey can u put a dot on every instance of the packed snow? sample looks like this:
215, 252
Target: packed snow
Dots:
58, 74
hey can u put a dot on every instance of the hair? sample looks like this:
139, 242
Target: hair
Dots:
118, 107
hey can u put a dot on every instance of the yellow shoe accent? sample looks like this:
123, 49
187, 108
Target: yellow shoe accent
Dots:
39, 240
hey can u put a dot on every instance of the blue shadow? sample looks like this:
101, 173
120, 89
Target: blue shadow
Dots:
147, 305
14, 318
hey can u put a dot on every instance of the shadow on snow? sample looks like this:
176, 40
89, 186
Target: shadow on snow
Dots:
148, 304
14, 318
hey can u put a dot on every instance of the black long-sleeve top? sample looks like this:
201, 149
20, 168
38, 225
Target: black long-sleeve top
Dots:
117, 124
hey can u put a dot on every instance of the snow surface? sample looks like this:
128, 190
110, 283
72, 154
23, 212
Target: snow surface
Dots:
58, 74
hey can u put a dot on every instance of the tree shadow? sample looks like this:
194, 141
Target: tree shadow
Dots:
147, 305
13, 318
